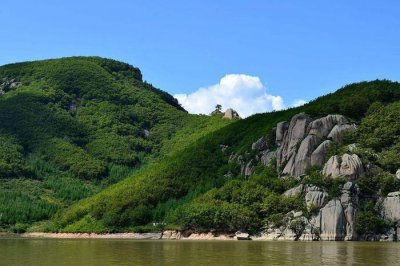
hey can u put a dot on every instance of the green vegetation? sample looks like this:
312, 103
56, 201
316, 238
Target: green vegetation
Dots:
189, 188
11, 158
368, 221
78, 125
87, 146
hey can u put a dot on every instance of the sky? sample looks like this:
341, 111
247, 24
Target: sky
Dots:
254, 56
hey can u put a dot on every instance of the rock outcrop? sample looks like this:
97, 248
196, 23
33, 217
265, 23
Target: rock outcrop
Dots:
242, 236
305, 141
171, 235
349, 201
319, 154
323, 127
391, 207
281, 128
351, 166
248, 170
302, 161
293, 135
338, 131
348, 165
350, 215
260, 144
332, 222
398, 174
266, 157
231, 114
332, 167
8, 84
315, 197
294, 192
294, 226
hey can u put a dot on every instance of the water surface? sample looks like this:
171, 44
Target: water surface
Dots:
17, 251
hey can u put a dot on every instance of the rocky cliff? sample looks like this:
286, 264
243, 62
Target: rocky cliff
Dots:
303, 143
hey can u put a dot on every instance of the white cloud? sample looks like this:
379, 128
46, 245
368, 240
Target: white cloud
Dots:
245, 94
298, 102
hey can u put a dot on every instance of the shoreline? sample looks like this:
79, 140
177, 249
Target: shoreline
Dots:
175, 235
167, 235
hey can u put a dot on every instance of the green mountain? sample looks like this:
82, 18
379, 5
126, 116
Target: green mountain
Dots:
71, 127
87, 146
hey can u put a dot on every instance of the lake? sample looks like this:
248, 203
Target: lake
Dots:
17, 251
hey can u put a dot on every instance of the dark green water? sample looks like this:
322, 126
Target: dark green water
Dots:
16, 251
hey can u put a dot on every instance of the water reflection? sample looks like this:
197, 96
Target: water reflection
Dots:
128, 252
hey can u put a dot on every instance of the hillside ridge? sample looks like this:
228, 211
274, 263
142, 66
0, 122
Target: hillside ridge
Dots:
87, 147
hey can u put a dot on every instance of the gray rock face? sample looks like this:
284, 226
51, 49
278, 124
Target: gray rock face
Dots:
350, 214
332, 167
266, 157
171, 234
281, 129
335, 220
296, 132
260, 144
248, 171
294, 192
398, 174
318, 156
297, 129
242, 236
303, 156
352, 147
345, 198
323, 126
297, 214
299, 147
8, 84
349, 201
332, 221
347, 186
295, 227
391, 206
350, 166
337, 132
231, 114
315, 197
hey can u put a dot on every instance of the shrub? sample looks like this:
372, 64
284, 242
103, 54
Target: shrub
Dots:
368, 220
19, 228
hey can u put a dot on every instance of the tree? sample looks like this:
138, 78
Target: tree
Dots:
218, 108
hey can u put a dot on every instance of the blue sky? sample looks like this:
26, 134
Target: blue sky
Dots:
283, 50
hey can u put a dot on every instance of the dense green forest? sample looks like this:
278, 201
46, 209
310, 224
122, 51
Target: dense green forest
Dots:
87, 146
71, 127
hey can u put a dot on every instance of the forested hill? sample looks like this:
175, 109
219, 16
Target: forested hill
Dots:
87, 146
82, 113
70, 127
226, 181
